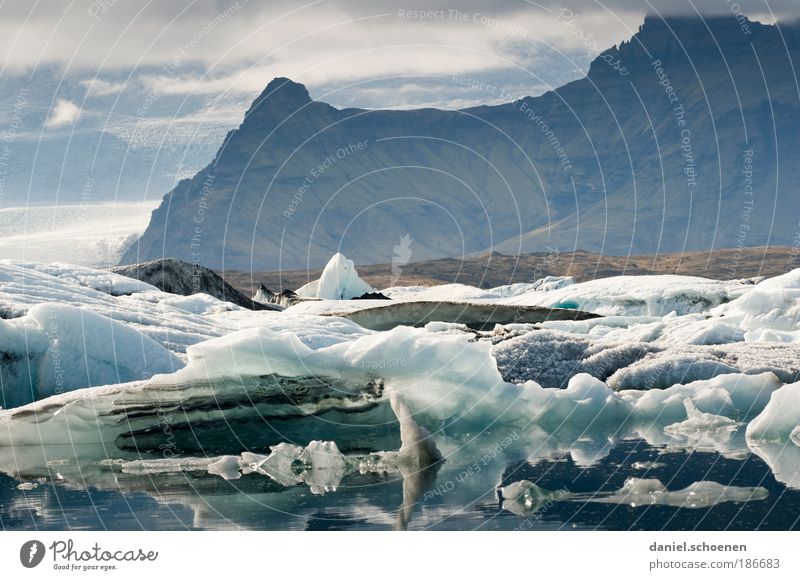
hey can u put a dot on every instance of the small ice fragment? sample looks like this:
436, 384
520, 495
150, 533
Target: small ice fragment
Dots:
326, 466
226, 467
646, 465
699, 422
279, 464
524, 497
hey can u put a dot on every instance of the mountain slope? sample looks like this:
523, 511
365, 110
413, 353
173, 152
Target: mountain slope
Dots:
683, 138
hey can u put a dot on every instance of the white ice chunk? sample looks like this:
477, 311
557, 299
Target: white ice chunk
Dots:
585, 400
698, 422
779, 419
731, 395
279, 464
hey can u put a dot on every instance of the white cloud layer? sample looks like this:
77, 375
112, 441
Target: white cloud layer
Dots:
241, 45
244, 44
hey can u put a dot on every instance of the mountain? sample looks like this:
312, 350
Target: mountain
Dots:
683, 138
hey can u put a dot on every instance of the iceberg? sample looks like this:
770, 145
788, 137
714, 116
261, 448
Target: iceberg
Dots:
339, 281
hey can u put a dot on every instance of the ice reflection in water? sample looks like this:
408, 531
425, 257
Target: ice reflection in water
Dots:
578, 482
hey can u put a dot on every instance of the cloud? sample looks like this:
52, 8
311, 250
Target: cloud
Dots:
64, 113
235, 47
100, 88
345, 39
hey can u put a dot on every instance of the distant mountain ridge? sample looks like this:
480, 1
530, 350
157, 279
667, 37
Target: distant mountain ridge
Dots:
684, 138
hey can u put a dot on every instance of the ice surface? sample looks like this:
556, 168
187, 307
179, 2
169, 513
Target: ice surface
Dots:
134, 303
643, 355
733, 395
699, 422
463, 292
639, 295
478, 316
102, 280
702, 431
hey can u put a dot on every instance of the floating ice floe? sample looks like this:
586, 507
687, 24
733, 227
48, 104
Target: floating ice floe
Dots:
780, 420
463, 292
524, 497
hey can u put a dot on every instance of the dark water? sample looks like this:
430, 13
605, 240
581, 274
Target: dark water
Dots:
458, 495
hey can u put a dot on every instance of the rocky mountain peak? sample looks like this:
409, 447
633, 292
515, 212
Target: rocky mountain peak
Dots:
281, 96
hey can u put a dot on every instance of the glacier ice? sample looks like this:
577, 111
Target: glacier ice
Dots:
477, 316
684, 363
769, 311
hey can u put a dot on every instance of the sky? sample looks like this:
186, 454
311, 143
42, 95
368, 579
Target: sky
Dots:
144, 91
349, 52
